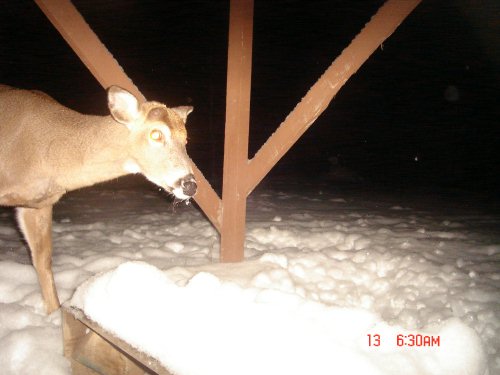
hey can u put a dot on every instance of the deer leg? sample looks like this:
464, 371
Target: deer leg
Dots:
36, 225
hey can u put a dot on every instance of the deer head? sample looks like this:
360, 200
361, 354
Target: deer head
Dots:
158, 141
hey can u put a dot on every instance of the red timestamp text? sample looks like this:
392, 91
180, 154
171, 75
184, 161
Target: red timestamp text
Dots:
409, 340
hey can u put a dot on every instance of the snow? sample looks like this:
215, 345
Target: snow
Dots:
287, 333
324, 270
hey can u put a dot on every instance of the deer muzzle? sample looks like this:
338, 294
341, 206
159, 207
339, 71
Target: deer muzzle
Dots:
188, 185
185, 187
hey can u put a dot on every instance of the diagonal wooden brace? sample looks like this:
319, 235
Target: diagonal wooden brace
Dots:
378, 29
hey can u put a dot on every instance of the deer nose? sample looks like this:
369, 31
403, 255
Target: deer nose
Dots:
188, 185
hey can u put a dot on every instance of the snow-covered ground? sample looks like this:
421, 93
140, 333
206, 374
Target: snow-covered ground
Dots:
332, 278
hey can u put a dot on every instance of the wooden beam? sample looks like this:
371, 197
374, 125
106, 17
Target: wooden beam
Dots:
380, 27
208, 199
78, 34
239, 72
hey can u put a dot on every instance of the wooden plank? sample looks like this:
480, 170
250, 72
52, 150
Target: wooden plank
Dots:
380, 27
90, 346
101, 63
239, 71
73, 332
99, 355
79, 369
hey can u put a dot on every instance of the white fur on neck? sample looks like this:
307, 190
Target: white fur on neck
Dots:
131, 166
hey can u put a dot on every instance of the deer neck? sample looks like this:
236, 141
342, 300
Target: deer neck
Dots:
102, 153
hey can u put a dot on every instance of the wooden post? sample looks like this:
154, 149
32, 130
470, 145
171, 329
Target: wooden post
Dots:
239, 72
240, 176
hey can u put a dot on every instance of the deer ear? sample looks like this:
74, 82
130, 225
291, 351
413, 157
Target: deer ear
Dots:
124, 106
183, 111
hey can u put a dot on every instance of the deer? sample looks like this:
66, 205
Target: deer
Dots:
47, 149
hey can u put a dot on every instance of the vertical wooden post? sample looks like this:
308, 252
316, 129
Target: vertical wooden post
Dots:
239, 71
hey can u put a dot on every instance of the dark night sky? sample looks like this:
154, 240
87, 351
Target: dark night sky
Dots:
430, 93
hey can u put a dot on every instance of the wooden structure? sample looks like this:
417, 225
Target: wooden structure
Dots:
92, 350
240, 175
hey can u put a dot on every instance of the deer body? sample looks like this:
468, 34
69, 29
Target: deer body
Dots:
47, 149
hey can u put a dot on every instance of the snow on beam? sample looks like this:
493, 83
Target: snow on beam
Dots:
380, 27
101, 63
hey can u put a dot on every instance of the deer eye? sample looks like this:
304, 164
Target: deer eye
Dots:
156, 135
